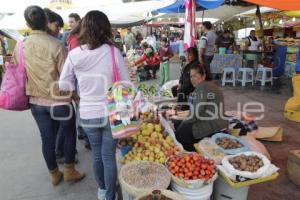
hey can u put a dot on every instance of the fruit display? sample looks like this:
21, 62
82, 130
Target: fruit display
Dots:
149, 117
126, 142
192, 166
166, 93
227, 143
246, 163
148, 91
151, 145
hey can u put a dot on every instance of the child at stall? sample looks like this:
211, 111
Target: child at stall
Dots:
165, 53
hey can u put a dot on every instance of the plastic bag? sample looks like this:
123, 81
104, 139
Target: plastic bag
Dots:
217, 136
237, 175
256, 145
210, 150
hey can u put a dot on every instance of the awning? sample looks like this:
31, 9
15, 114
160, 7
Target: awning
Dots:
178, 6
278, 4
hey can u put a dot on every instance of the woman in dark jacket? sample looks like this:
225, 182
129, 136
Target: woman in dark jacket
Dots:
206, 113
185, 86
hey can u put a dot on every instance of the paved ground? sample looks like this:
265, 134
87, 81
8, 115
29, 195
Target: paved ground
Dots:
24, 176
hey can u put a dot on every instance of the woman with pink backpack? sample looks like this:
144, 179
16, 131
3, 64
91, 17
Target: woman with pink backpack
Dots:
44, 57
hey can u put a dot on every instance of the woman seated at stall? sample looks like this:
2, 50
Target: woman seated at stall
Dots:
185, 87
152, 62
206, 113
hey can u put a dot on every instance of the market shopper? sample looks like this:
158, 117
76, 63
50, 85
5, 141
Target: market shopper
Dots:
165, 54
129, 40
74, 20
207, 45
55, 23
91, 65
206, 113
51, 109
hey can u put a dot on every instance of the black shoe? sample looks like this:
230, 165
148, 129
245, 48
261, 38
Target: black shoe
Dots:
80, 137
87, 146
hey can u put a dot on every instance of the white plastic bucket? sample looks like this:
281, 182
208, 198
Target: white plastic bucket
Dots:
203, 193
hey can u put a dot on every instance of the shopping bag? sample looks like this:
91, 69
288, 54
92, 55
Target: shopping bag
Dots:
122, 116
12, 93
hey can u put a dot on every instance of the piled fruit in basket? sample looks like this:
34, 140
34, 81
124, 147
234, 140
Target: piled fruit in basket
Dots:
151, 145
191, 166
227, 143
246, 163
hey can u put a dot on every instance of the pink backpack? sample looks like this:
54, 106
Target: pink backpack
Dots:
12, 93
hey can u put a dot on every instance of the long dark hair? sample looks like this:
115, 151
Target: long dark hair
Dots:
194, 52
95, 30
35, 18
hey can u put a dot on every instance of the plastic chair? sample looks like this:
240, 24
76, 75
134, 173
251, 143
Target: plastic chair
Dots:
246, 75
264, 75
231, 72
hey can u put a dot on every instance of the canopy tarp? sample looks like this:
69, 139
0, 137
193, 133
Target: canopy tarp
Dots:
178, 6
278, 4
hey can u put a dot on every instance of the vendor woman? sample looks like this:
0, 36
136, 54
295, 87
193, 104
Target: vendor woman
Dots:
206, 115
185, 87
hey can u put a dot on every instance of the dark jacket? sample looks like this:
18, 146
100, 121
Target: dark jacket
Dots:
207, 92
185, 82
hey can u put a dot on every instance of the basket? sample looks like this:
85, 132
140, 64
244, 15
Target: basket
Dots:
147, 176
167, 193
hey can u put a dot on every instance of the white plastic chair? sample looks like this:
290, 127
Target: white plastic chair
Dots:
264, 75
246, 75
231, 72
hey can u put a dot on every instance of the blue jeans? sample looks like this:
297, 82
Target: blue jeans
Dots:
104, 154
49, 120
60, 137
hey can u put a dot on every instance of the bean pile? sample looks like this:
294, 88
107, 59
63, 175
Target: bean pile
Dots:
227, 143
246, 163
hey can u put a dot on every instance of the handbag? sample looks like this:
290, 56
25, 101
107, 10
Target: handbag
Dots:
12, 93
122, 118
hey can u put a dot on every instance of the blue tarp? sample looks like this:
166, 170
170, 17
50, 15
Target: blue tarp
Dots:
178, 6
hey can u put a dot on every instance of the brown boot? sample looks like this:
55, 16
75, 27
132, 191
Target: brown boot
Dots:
71, 174
56, 176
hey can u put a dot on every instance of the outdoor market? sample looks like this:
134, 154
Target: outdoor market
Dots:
150, 99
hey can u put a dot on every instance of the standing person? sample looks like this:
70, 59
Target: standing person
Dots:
74, 19
72, 44
92, 66
165, 53
51, 110
253, 42
129, 40
55, 23
207, 45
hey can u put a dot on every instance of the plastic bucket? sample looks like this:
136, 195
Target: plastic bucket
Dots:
203, 193
222, 50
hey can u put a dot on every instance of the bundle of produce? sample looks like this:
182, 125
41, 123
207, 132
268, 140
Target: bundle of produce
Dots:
191, 170
229, 144
247, 165
151, 145
210, 150
161, 195
143, 177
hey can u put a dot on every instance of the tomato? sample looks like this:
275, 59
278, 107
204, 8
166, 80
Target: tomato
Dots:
195, 178
190, 174
202, 172
176, 168
196, 173
208, 172
186, 170
203, 166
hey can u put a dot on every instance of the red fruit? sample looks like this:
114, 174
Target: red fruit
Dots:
173, 171
202, 172
203, 166
195, 177
176, 168
196, 173
208, 172
188, 165
186, 178
187, 159
186, 170
181, 175
190, 174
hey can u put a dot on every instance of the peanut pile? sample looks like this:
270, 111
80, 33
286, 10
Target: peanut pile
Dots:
246, 163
